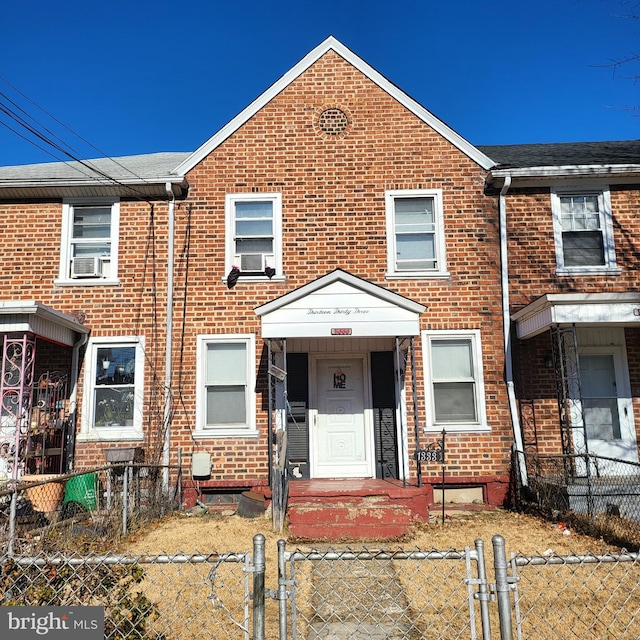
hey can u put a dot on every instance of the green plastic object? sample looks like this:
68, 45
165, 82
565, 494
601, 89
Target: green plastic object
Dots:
83, 490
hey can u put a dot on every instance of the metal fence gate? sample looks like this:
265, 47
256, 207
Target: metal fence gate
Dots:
379, 594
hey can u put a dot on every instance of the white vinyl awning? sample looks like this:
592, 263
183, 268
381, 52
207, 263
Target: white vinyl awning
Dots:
582, 309
27, 316
340, 304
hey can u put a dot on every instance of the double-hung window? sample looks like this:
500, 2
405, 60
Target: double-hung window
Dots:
415, 233
226, 383
114, 387
254, 230
583, 229
89, 241
454, 381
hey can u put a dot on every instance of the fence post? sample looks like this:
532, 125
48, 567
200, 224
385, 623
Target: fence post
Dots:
13, 510
282, 589
502, 588
125, 498
258, 586
483, 592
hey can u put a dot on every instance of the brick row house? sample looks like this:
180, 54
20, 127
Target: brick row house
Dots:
571, 226
334, 281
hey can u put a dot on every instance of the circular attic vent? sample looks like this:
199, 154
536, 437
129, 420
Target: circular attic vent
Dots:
333, 121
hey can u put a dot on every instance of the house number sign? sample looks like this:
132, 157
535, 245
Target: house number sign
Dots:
431, 453
434, 453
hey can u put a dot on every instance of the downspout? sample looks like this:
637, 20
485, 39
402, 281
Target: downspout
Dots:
166, 449
506, 322
73, 398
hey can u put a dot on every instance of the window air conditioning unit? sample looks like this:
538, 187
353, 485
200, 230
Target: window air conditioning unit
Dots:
254, 262
86, 267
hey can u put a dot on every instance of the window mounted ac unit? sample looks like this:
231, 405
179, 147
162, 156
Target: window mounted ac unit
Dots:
86, 267
254, 262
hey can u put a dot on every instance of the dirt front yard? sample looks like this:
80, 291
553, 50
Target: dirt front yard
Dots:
345, 591
524, 534
331, 595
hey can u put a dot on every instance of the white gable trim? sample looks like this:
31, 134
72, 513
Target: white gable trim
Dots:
340, 304
332, 44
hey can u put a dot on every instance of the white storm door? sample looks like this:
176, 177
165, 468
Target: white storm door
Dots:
340, 438
606, 406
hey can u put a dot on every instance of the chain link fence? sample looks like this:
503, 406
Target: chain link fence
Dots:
65, 511
379, 594
598, 496
49, 558
144, 597
340, 594
591, 596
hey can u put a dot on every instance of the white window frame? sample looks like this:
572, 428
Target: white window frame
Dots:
390, 198
474, 337
89, 432
606, 227
230, 201
66, 246
247, 430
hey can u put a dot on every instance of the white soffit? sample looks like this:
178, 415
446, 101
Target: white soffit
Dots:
332, 43
621, 309
340, 304
32, 317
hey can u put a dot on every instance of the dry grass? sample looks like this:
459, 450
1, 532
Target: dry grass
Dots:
524, 534
183, 593
174, 588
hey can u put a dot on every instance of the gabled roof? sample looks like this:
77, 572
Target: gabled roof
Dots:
331, 44
340, 275
135, 176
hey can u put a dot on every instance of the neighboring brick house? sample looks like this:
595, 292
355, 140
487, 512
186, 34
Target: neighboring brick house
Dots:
330, 265
572, 225
84, 264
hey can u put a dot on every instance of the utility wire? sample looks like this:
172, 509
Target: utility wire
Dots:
40, 132
4, 124
60, 146
62, 124
44, 139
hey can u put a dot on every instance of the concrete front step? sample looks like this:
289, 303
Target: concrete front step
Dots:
355, 517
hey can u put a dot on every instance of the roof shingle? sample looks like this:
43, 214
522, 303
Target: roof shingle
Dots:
564, 154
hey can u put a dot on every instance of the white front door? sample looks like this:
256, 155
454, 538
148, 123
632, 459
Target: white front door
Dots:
606, 405
340, 436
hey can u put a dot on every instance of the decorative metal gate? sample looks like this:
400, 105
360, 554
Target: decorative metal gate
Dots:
567, 369
16, 396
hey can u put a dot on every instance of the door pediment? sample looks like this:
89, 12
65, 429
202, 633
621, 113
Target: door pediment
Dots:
340, 304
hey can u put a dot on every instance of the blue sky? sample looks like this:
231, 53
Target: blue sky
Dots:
140, 76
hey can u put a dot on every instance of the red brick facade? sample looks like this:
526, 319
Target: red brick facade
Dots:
331, 143
333, 191
533, 273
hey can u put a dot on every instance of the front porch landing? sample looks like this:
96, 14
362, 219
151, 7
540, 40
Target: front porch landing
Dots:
363, 509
